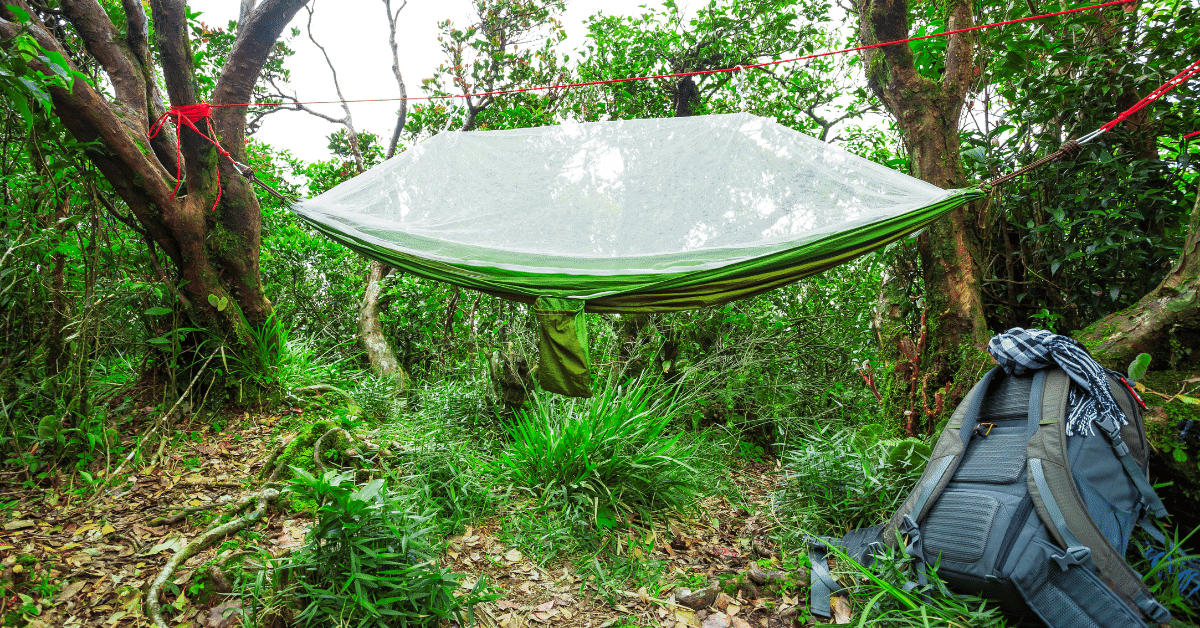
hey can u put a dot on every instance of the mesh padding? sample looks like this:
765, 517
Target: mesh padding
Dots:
1077, 599
1007, 400
959, 525
995, 459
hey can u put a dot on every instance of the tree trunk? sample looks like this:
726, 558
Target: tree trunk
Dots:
57, 355
370, 328
214, 251
927, 113
1144, 327
687, 97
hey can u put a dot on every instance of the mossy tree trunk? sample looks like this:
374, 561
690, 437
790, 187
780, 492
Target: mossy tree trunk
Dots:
1146, 326
927, 112
214, 252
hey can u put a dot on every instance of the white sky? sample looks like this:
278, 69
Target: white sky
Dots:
356, 36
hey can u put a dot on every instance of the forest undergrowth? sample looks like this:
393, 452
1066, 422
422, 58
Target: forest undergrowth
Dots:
344, 499
195, 453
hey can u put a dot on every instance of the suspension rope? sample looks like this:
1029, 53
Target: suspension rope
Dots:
696, 72
1074, 147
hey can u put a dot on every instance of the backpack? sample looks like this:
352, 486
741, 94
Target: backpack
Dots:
1012, 509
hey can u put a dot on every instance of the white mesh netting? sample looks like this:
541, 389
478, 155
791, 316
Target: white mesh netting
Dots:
624, 197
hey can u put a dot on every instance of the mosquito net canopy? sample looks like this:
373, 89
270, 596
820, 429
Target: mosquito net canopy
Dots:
626, 216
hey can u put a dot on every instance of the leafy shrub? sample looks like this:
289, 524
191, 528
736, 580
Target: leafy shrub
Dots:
604, 455
837, 479
370, 560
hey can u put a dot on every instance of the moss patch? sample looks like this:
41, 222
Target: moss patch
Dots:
1165, 464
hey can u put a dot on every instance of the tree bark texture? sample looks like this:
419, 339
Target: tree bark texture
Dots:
370, 328
927, 112
214, 253
1171, 307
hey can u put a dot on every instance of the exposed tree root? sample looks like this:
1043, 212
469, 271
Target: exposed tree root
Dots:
319, 388
181, 514
317, 447
272, 465
212, 535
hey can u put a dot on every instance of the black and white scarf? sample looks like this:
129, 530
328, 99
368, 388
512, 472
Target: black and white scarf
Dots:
1019, 351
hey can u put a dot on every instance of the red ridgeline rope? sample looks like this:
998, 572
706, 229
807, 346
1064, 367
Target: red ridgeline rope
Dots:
696, 73
189, 115
1191, 135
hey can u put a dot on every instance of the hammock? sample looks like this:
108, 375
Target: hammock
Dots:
629, 216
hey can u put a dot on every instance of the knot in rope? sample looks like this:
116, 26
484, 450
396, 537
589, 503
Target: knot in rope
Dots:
1071, 149
189, 115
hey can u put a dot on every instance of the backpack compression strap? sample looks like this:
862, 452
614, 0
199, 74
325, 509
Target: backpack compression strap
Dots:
1058, 503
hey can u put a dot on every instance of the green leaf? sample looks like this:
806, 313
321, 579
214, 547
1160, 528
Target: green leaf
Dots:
158, 311
1180, 455
212, 300
20, 14
1137, 369
976, 154
222, 303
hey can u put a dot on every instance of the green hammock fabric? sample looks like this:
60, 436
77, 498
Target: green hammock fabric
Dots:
623, 217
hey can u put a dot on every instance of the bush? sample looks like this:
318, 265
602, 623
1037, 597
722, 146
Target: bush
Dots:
838, 479
605, 456
370, 560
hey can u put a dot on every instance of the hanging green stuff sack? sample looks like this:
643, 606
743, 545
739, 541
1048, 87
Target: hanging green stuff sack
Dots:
1031, 493
563, 364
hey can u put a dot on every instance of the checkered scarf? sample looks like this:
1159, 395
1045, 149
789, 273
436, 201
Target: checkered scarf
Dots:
1019, 351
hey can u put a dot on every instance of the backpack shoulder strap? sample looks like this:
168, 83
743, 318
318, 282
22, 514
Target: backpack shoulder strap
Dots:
1058, 503
947, 453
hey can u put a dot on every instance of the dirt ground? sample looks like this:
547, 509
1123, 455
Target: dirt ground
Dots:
75, 558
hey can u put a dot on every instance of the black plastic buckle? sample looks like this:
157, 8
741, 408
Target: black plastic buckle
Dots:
1075, 555
985, 432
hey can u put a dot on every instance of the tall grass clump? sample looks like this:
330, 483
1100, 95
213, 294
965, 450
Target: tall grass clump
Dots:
607, 456
370, 559
1171, 573
880, 595
837, 479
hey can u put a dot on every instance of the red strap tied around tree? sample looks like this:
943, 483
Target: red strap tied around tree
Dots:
1178, 79
189, 115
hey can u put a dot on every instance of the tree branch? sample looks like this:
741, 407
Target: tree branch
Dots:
348, 119
403, 113
137, 31
256, 37
104, 43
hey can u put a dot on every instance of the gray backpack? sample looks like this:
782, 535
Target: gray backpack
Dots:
1012, 509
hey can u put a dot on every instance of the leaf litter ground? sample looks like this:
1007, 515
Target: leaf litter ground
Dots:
78, 561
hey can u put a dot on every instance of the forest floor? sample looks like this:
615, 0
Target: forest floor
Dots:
88, 557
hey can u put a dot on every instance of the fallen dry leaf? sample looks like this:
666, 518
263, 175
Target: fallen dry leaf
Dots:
687, 618
841, 610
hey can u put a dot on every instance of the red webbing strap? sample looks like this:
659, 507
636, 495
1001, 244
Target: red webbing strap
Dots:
1178, 79
189, 115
